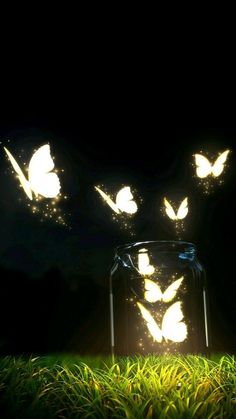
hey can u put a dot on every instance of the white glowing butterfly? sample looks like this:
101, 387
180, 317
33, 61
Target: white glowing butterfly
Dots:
124, 201
172, 327
41, 180
144, 266
205, 168
181, 213
153, 292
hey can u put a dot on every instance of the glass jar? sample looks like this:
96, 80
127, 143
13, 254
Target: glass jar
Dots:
158, 300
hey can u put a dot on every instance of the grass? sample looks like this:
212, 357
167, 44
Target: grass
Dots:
136, 387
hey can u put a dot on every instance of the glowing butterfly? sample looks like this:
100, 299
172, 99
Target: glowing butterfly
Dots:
205, 168
124, 201
172, 327
153, 291
41, 180
144, 266
181, 213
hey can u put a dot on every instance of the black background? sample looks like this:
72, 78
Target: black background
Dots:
119, 127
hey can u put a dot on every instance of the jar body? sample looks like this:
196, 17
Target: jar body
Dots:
158, 300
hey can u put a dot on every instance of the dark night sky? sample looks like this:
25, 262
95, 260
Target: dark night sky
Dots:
115, 133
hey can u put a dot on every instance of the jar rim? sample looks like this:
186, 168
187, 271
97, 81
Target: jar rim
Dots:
173, 246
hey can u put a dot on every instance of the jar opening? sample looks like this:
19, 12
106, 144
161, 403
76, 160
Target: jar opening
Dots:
163, 246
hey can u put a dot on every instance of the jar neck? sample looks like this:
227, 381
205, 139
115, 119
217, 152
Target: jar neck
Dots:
185, 250
157, 252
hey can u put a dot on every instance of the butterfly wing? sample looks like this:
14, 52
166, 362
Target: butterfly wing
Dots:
125, 202
172, 326
218, 166
183, 209
144, 266
42, 181
169, 210
151, 323
203, 166
24, 182
170, 292
153, 292
108, 200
